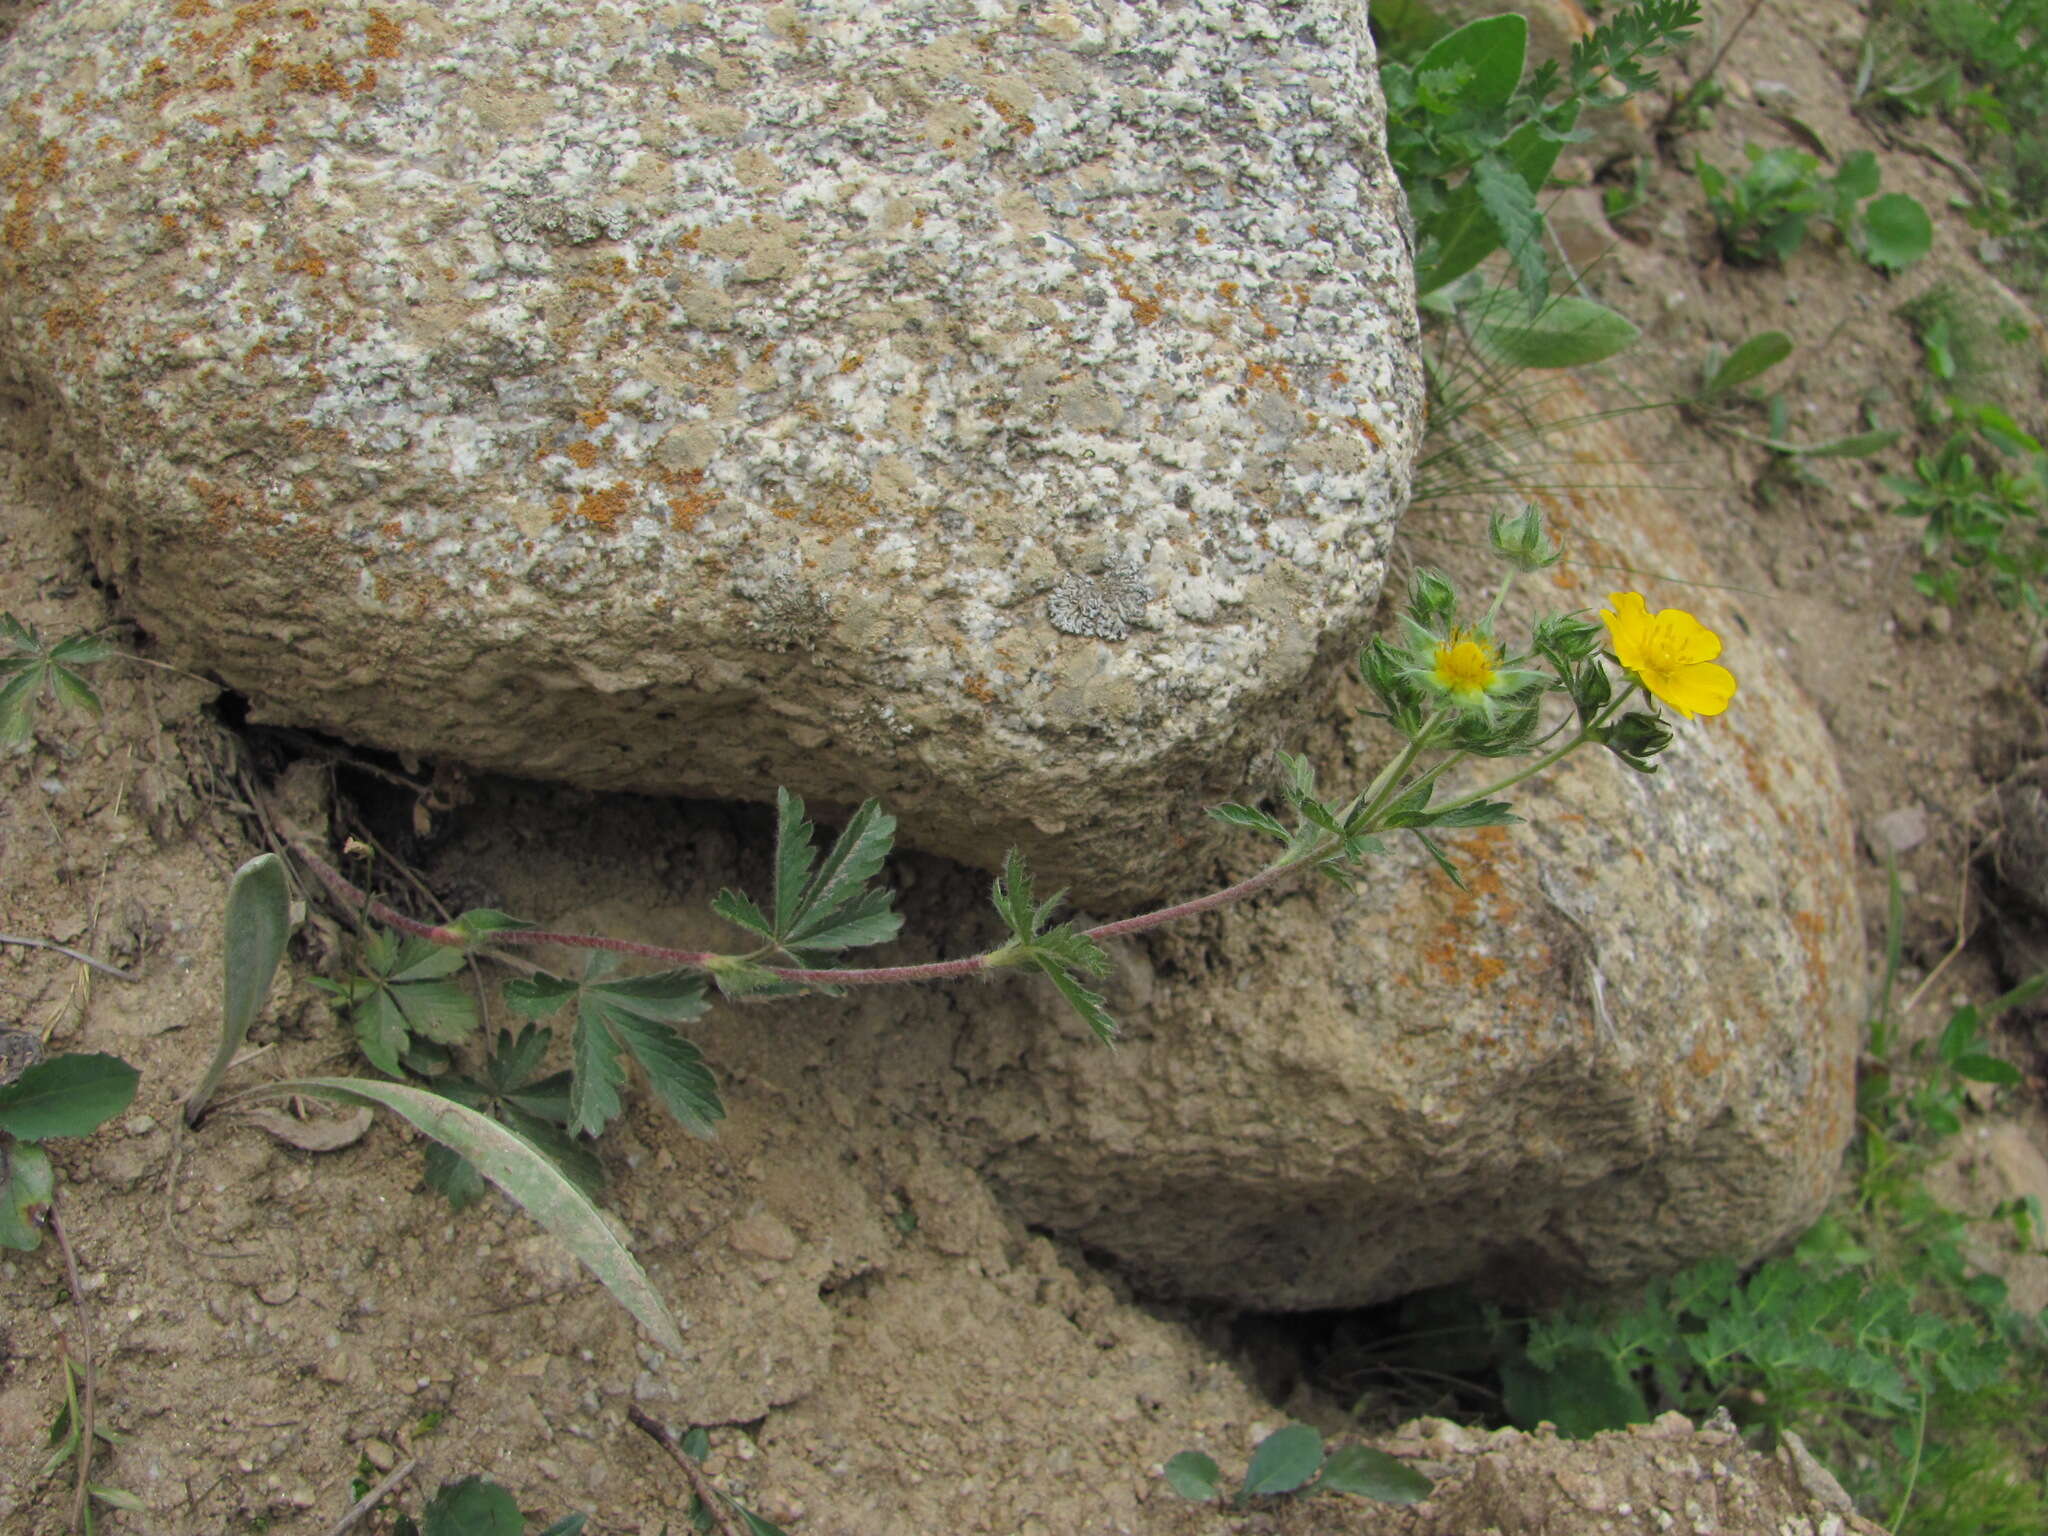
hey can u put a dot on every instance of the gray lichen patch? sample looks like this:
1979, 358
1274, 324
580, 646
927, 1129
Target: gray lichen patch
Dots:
1104, 606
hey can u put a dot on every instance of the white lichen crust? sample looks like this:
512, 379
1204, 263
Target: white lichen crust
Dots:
685, 397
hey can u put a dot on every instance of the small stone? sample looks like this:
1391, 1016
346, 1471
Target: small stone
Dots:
382, 1454
333, 1369
762, 1236
276, 1292
1899, 831
139, 1125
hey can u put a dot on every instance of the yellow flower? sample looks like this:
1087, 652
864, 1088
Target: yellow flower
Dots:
1465, 666
1671, 654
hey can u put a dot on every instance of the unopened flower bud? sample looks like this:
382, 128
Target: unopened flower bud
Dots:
1520, 540
1637, 737
1431, 598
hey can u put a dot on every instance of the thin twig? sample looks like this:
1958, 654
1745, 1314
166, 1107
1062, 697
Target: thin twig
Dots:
70, 954
708, 1496
84, 1426
1693, 92
1963, 933
373, 1498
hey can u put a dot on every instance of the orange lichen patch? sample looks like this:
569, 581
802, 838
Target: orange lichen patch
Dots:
392, 528
1339, 376
582, 452
852, 364
1145, 310
1705, 1061
602, 508
1365, 427
226, 508
1227, 292
977, 688
1273, 376
788, 511
191, 10
687, 508
1014, 120
1811, 928
595, 417
383, 36
309, 263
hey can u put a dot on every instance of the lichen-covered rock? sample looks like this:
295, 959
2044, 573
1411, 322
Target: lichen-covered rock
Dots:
999, 409
1625, 1046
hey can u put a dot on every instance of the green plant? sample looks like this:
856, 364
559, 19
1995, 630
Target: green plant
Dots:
1292, 1462
1977, 514
66, 1441
476, 1506
68, 1095
32, 670
1763, 213
1473, 143
704, 1516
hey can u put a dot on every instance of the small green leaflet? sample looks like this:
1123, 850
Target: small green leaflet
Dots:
632, 1013
477, 927
1194, 1476
1058, 952
821, 908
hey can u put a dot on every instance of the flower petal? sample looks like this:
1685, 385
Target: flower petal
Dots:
1703, 688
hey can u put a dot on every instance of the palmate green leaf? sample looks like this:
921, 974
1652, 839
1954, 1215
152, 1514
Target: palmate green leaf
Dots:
534, 1183
74, 690
80, 651
380, 1028
817, 912
1283, 1461
1374, 1475
630, 1013
69, 1095
27, 1184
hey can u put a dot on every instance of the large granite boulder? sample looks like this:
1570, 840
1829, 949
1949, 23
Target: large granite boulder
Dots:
1627, 1045
998, 409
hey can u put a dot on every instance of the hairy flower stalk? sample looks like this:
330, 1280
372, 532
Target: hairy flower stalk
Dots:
1451, 689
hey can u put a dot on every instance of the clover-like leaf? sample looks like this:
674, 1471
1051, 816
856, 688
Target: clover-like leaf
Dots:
630, 1014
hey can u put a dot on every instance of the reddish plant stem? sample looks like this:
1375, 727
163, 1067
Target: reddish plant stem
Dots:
936, 970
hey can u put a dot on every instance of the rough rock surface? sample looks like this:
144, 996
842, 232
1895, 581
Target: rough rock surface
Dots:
878, 398
1627, 1046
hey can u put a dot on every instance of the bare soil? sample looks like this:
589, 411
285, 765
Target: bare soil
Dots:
880, 1348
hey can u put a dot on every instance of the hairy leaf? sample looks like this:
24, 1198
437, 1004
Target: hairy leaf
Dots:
539, 1188
257, 927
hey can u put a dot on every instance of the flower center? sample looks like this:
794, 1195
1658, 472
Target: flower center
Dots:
1464, 665
1664, 647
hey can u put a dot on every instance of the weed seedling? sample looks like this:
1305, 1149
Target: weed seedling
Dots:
1763, 213
33, 671
1291, 1463
476, 1506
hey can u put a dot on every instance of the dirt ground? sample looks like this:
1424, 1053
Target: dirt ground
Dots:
881, 1347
